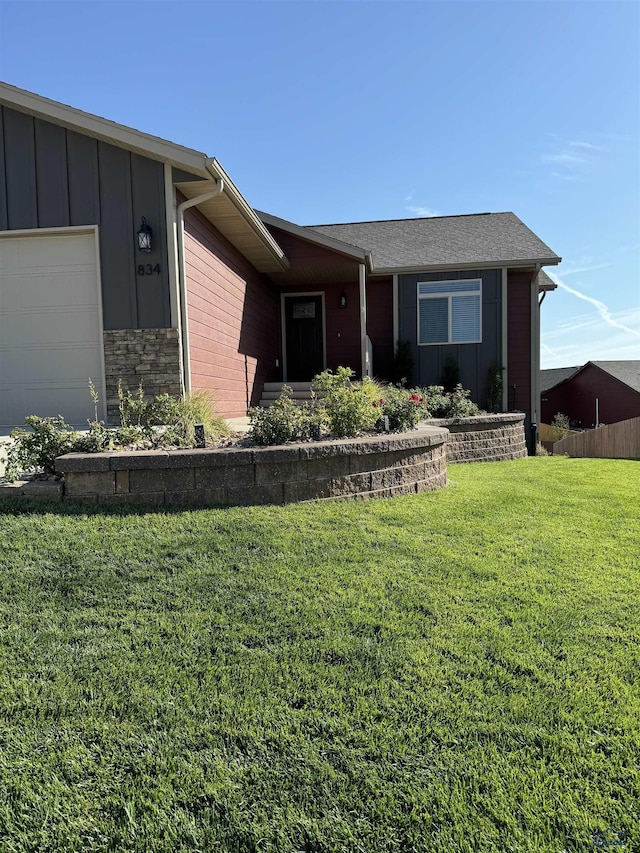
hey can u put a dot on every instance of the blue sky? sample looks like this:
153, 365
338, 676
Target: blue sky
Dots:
353, 110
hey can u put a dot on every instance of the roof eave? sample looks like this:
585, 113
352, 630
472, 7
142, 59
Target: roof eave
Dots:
306, 233
108, 131
153, 147
486, 265
215, 169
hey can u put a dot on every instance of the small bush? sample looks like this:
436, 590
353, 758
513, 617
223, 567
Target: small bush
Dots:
435, 400
403, 408
448, 404
495, 387
403, 364
349, 405
460, 404
562, 426
450, 374
284, 421
37, 450
162, 421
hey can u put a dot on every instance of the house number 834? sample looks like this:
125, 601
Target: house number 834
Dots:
148, 269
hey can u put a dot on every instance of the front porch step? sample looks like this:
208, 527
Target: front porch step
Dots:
300, 392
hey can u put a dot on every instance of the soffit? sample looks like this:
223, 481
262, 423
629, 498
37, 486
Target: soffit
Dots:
232, 224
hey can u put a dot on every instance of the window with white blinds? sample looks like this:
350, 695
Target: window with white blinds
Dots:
450, 312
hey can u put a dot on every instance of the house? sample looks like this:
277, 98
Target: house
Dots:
128, 258
599, 392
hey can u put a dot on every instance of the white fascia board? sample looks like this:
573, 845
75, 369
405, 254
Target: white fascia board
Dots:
109, 131
315, 237
487, 265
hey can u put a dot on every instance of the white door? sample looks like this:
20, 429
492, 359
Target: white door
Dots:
50, 326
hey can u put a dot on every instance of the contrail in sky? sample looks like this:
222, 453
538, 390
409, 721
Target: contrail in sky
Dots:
601, 308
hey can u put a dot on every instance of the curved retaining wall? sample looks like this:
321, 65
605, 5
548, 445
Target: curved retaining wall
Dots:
484, 438
371, 466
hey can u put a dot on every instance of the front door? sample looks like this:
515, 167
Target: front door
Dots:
304, 337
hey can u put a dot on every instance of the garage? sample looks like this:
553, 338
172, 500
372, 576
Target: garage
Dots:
50, 325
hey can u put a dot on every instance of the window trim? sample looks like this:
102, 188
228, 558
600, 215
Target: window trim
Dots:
448, 297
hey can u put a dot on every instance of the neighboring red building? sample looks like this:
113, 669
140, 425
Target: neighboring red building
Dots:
599, 392
224, 297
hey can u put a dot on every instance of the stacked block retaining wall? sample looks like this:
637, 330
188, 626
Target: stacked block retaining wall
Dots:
372, 466
484, 438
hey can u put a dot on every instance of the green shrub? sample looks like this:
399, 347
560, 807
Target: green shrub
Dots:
403, 408
403, 364
284, 421
450, 374
561, 425
449, 404
350, 406
162, 421
37, 450
495, 387
435, 400
460, 405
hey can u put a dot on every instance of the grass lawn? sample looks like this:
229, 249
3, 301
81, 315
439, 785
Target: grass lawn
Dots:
454, 671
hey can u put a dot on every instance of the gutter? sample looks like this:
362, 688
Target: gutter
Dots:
182, 277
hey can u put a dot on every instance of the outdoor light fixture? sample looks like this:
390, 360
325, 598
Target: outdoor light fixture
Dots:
144, 237
343, 300
198, 430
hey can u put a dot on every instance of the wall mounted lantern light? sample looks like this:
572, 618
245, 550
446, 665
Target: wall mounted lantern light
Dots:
144, 237
343, 300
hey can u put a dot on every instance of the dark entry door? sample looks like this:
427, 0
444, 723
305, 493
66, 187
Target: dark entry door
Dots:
305, 348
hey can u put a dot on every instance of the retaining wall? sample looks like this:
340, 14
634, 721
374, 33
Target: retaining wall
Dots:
484, 438
372, 466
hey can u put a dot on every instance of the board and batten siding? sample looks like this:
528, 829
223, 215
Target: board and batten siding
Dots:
233, 319
51, 177
474, 360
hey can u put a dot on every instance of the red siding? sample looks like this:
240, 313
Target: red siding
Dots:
519, 340
234, 335
576, 399
380, 325
303, 253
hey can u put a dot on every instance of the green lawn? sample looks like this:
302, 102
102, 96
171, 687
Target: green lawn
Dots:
454, 671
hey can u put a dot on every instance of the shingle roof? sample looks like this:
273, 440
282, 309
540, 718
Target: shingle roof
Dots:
625, 371
480, 238
552, 377
545, 282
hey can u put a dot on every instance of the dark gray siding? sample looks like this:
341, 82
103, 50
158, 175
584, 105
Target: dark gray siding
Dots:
474, 360
52, 177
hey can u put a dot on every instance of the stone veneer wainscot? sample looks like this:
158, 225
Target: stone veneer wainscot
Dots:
147, 356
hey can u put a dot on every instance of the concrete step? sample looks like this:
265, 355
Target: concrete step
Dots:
295, 386
300, 392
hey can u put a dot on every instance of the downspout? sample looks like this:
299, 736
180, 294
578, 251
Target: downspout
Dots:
182, 273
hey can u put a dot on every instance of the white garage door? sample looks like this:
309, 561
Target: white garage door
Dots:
50, 327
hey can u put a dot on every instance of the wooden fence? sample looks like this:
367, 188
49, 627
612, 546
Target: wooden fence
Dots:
615, 441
